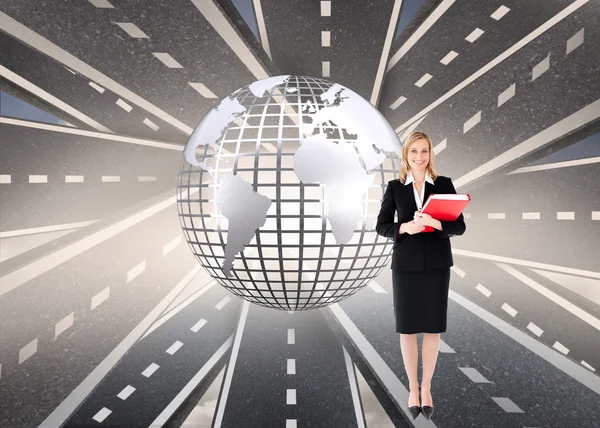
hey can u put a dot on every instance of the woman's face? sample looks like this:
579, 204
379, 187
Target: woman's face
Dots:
418, 155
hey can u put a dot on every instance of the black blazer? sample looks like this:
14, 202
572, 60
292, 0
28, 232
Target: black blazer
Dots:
424, 250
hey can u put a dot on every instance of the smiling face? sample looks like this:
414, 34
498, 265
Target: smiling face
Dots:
418, 155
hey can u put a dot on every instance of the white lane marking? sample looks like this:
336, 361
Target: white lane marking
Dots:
42, 265
582, 362
441, 146
150, 370
499, 13
397, 103
167, 59
151, 124
458, 271
196, 327
45, 229
65, 409
171, 245
101, 415
566, 215
587, 288
262, 28
31, 38
514, 48
37, 179
445, 348
74, 178
221, 24
222, 303
61, 326
101, 4
126, 392
293, 423
449, 57
231, 366
507, 405
507, 94
326, 39
174, 347
202, 89
534, 329
426, 77
377, 288
136, 271
123, 105
146, 178
474, 375
191, 386
561, 362
326, 69
483, 290
91, 134
97, 87
575, 41
531, 216
496, 216
554, 165
291, 366
5, 179
540, 68
47, 97
509, 309
385, 53
595, 215
420, 32
560, 347
291, 336
132, 30
474, 35
100, 298
0, 371
469, 124
325, 8
111, 179
358, 411
28, 351
290, 397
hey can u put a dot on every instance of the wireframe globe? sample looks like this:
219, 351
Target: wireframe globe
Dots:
280, 188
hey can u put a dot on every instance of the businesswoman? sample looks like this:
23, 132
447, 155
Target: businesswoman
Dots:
420, 263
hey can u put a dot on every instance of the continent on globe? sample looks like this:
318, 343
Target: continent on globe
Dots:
245, 211
319, 160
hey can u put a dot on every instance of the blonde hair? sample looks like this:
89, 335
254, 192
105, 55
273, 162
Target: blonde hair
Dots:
405, 168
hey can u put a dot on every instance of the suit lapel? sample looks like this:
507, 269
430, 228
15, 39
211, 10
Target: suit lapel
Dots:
429, 189
409, 197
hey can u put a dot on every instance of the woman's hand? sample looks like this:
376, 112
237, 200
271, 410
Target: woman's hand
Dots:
422, 219
411, 228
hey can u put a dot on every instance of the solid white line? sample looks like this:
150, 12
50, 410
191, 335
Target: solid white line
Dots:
550, 134
45, 229
262, 28
555, 165
552, 296
543, 351
521, 43
182, 396
91, 134
50, 99
358, 410
385, 53
231, 366
27, 36
62, 413
420, 32
42, 265
526, 263
215, 17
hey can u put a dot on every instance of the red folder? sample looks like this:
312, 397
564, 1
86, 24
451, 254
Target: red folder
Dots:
445, 206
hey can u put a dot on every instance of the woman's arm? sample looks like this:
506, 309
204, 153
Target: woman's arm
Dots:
385, 220
447, 229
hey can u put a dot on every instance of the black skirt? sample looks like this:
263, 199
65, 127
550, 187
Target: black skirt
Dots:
421, 300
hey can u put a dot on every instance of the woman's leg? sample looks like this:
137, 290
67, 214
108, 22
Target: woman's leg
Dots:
410, 355
430, 348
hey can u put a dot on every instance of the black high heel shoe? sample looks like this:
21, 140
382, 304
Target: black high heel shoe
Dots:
427, 410
415, 410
